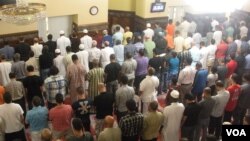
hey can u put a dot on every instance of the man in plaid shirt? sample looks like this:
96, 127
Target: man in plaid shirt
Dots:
131, 124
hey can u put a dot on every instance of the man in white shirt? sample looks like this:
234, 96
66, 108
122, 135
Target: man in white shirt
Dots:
128, 68
12, 115
148, 32
178, 42
62, 42
217, 35
86, 40
37, 48
148, 88
243, 29
188, 42
184, 27
192, 27
197, 39
211, 54
5, 69
94, 53
186, 78
172, 118
83, 57
195, 54
214, 23
118, 35
105, 54
59, 63
119, 52
33, 62
204, 55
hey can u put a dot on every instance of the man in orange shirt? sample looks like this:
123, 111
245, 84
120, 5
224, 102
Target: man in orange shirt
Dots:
2, 91
170, 29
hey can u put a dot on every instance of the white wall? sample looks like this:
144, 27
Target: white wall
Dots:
55, 24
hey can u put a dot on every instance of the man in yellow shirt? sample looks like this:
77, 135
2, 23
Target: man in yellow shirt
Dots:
127, 34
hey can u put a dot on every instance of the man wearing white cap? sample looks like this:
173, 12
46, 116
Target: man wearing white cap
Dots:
83, 57
59, 62
94, 53
63, 42
86, 39
172, 118
149, 32
105, 54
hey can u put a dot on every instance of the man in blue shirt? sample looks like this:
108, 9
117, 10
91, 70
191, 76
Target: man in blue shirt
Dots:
174, 63
37, 118
200, 81
7, 50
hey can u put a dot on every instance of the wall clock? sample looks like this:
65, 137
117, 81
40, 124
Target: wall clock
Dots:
93, 10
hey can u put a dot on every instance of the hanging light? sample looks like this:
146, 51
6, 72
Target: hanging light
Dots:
22, 13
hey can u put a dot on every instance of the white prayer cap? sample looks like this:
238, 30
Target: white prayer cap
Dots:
57, 51
148, 25
85, 31
62, 32
81, 46
175, 94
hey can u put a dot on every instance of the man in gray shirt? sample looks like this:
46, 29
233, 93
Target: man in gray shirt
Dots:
206, 105
123, 94
221, 100
128, 68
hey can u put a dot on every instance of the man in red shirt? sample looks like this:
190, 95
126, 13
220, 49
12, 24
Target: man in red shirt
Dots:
60, 116
221, 50
231, 66
234, 90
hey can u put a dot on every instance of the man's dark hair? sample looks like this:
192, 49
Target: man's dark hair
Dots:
141, 52
118, 42
213, 41
170, 21
68, 49
131, 105
112, 57
214, 69
74, 57
36, 101
124, 79
202, 43
235, 77
153, 105
53, 70
59, 98
7, 97
246, 76
31, 54
189, 97
117, 28
30, 68
128, 39
50, 37
77, 124
128, 55
219, 83
12, 75
174, 54
232, 56
80, 90
189, 60
207, 90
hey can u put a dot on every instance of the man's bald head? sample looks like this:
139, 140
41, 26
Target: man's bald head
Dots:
46, 135
109, 121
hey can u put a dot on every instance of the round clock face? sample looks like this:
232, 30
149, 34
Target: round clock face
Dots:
93, 10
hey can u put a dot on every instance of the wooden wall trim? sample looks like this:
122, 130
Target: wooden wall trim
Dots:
18, 34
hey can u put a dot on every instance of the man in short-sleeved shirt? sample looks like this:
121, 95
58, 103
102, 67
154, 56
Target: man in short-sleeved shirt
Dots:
33, 84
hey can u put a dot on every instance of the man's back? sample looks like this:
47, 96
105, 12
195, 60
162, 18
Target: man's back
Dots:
61, 117
23, 49
11, 114
221, 100
37, 118
104, 105
5, 69
110, 134
244, 98
206, 106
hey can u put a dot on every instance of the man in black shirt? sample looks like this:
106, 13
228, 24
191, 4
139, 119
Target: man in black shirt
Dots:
23, 49
33, 85
112, 71
104, 106
51, 44
190, 117
82, 107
